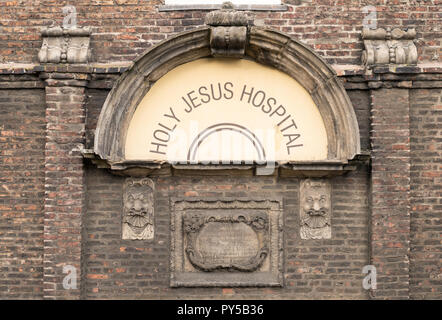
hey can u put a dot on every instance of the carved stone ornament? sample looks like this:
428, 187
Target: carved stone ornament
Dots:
208, 253
228, 34
385, 46
264, 46
138, 209
226, 243
315, 209
65, 45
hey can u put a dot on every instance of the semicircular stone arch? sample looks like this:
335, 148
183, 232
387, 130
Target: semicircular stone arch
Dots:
264, 46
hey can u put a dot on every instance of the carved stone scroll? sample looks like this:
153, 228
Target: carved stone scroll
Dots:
240, 244
228, 32
383, 46
65, 45
138, 206
315, 209
229, 242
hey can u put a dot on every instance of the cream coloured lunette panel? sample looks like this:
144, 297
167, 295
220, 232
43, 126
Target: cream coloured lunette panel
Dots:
226, 109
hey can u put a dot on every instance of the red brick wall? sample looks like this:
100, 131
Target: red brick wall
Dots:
426, 194
313, 269
361, 104
123, 29
319, 269
390, 187
22, 140
64, 181
396, 227
94, 102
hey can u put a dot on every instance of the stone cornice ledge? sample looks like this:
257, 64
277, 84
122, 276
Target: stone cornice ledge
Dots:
120, 67
351, 70
27, 68
210, 7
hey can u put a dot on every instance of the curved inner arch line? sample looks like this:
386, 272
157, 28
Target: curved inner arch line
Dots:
221, 127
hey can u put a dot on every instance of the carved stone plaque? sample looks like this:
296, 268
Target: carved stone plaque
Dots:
138, 209
226, 243
315, 209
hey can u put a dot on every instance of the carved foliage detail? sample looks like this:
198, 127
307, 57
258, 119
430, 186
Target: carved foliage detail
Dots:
226, 242
315, 209
65, 45
138, 209
385, 46
258, 222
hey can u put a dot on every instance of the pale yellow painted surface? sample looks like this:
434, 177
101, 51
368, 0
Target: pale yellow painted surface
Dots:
241, 130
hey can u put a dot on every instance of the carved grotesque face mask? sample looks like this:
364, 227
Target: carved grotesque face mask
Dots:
316, 208
316, 204
138, 207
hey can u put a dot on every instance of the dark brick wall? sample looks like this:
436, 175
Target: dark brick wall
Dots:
113, 268
317, 269
361, 104
388, 216
390, 187
123, 29
94, 101
426, 194
313, 269
22, 141
64, 181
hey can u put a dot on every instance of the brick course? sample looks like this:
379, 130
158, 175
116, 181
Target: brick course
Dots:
124, 29
22, 139
64, 181
426, 194
314, 269
390, 187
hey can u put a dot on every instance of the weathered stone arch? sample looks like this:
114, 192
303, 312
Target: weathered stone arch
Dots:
262, 45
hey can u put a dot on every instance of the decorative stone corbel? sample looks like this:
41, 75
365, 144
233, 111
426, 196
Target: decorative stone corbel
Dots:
228, 34
386, 46
65, 45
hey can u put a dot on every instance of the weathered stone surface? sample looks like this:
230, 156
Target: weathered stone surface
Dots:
70, 45
315, 209
227, 16
225, 241
228, 41
138, 215
228, 242
383, 46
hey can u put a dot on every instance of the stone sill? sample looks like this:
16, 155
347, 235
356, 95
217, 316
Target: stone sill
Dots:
326, 168
209, 7
351, 70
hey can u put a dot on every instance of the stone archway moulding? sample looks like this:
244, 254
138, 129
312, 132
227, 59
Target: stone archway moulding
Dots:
264, 46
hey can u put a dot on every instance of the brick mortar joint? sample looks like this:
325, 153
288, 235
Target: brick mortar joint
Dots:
379, 100
73, 83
